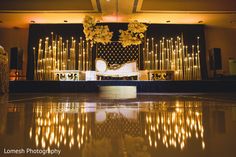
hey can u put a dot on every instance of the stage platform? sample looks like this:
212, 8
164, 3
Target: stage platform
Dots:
142, 86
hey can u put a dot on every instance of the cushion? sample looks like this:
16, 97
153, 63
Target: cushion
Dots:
101, 65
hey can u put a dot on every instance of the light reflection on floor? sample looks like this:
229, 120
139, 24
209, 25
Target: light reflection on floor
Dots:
88, 126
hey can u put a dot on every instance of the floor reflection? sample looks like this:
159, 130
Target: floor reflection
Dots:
127, 129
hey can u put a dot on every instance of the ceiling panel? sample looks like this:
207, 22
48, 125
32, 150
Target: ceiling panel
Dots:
188, 5
20, 13
32, 5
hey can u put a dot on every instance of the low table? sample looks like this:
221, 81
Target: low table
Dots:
118, 92
104, 77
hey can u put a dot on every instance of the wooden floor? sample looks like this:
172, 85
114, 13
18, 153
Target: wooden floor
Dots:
142, 86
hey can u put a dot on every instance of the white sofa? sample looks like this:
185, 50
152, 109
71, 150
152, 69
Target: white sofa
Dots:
125, 70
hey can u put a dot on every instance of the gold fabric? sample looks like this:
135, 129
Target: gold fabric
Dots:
115, 54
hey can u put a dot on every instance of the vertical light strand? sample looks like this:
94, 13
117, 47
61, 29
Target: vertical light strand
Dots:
148, 60
87, 56
152, 55
35, 63
173, 55
156, 57
198, 59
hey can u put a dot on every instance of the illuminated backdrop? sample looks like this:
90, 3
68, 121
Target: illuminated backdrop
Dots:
177, 48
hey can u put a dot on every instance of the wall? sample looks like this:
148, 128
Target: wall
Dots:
15, 38
224, 38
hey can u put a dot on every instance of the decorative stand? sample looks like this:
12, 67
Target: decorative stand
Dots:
118, 92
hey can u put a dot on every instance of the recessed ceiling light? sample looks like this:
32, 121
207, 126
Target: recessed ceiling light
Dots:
200, 21
168, 21
108, 0
65, 21
32, 21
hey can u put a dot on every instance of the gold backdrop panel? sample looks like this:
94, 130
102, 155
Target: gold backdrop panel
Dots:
115, 53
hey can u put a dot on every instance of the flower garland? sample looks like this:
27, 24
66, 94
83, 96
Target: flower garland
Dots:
101, 34
96, 34
134, 34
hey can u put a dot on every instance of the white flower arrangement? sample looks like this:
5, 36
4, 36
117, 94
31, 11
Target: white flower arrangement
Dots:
96, 34
134, 34
102, 34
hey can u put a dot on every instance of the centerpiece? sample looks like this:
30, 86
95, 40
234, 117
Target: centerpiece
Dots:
96, 33
133, 35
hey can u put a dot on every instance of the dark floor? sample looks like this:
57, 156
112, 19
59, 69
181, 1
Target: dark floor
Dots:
90, 125
142, 86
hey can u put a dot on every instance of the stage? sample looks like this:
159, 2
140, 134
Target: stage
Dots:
166, 58
142, 86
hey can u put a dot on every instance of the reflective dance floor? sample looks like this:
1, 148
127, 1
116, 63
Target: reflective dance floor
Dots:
88, 125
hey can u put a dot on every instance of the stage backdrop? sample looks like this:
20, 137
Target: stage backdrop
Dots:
155, 31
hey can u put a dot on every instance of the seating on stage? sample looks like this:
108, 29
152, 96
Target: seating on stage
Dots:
126, 70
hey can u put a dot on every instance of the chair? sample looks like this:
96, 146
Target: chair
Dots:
128, 69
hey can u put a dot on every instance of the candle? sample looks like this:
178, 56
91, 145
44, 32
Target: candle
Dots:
163, 56
167, 55
147, 53
152, 53
156, 58
79, 57
192, 62
45, 59
198, 60
91, 58
87, 55
35, 64
83, 55
160, 55
80, 54
67, 56
39, 60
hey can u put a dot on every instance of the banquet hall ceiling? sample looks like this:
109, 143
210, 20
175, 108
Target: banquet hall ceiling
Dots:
189, 5
20, 13
46, 5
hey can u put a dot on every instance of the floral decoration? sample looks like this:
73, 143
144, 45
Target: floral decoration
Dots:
134, 34
95, 33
